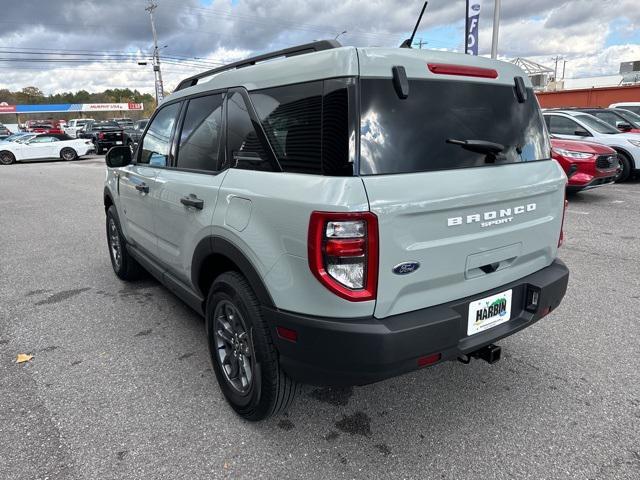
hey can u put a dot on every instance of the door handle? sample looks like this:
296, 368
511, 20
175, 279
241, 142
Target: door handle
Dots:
192, 201
142, 187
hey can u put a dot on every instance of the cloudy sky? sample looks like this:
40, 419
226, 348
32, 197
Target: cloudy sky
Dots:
61, 45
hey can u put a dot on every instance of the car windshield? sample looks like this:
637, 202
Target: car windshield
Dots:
630, 117
426, 131
632, 108
597, 124
14, 137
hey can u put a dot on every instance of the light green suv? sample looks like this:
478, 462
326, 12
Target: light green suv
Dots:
343, 215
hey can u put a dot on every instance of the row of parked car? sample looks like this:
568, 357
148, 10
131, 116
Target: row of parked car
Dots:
596, 146
103, 134
51, 140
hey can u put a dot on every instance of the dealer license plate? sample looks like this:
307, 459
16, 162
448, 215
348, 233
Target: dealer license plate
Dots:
489, 312
118, 143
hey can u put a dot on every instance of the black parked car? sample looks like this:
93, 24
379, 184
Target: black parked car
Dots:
104, 135
134, 133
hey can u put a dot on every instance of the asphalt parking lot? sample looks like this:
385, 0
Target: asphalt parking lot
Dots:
120, 385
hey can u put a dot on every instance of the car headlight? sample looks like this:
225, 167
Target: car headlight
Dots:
634, 142
572, 154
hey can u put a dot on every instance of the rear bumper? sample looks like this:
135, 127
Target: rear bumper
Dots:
109, 143
366, 350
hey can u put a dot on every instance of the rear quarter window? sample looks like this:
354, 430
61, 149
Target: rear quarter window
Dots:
308, 125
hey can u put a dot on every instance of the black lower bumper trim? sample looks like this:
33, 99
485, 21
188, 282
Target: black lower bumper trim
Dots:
365, 350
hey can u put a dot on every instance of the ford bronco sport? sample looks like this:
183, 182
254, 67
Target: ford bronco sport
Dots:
343, 215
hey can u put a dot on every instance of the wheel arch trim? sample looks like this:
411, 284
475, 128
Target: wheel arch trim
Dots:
629, 156
215, 245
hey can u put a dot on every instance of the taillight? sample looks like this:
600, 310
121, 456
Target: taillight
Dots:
100, 135
343, 253
462, 70
564, 211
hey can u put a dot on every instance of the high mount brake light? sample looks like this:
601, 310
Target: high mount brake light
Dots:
343, 253
462, 70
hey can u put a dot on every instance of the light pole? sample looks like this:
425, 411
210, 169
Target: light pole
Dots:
341, 33
156, 57
496, 26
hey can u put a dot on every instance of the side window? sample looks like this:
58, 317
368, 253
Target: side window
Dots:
563, 126
243, 143
608, 117
157, 141
292, 118
200, 135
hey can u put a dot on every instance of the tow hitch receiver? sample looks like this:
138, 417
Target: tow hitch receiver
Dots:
490, 353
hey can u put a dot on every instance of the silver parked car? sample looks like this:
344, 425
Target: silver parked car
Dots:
342, 215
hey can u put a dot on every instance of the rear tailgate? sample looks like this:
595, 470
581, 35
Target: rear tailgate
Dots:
485, 218
111, 135
458, 173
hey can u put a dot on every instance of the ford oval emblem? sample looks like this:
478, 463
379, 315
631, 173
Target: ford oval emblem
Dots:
475, 7
406, 267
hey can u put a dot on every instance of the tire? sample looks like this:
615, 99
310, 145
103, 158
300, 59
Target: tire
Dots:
68, 154
7, 158
99, 149
234, 311
124, 265
625, 168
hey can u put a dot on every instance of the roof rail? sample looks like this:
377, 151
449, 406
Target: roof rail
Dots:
287, 52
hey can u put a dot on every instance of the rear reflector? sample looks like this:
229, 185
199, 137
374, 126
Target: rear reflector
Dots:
287, 334
429, 359
352, 247
462, 70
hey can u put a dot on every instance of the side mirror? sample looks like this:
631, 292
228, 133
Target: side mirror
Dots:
581, 133
118, 157
623, 126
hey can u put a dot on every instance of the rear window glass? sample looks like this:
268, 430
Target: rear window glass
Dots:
410, 135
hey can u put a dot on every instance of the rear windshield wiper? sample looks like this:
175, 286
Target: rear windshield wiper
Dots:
478, 146
492, 150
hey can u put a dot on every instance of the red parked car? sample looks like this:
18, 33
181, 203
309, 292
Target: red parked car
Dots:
586, 164
43, 126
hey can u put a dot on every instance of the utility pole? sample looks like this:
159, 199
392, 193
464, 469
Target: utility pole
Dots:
556, 59
156, 56
420, 43
564, 66
496, 26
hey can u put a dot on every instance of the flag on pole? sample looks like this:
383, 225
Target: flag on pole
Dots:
471, 28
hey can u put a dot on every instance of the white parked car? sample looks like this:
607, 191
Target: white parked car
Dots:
75, 125
44, 147
576, 125
631, 106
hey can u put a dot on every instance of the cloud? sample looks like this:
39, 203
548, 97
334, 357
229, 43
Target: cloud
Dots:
226, 30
